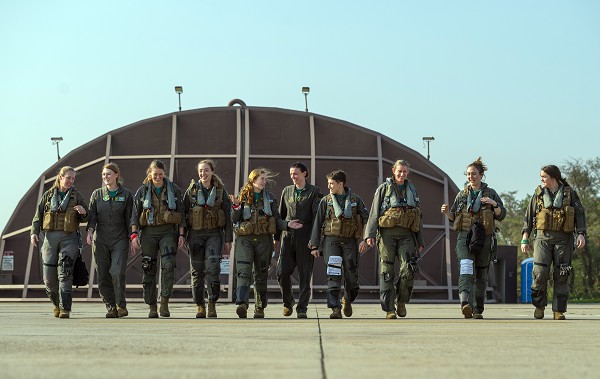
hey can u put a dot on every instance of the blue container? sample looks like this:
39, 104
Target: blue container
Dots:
526, 280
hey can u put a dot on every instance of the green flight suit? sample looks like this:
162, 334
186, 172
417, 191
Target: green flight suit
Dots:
157, 238
110, 219
253, 252
473, 269
552, 250
206, 244
294, 252
394, 243
333, 247
58, 249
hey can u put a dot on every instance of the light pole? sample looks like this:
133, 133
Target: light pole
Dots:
305, 91
55, 141
179, 90
428, 140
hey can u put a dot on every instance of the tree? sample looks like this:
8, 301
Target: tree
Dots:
510, 227
584, 178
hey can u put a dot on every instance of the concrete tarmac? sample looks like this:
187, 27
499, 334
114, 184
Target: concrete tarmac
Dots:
433, 341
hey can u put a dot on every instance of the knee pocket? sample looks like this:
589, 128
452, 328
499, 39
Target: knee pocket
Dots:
352, 265
67, 265
559, 278
213, 270
334, 282
387, 267
540, 272
407, 273
168, 266
197, 249
244, 269
148, 265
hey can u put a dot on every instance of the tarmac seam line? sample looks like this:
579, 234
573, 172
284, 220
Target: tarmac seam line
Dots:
323, 373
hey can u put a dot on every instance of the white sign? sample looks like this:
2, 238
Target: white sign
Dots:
8, 261
225, 266
334, 265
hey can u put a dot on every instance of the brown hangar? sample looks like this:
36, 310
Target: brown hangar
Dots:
240, 138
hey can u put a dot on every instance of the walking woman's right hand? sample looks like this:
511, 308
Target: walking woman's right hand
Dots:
234, 200
445, 208
34, 240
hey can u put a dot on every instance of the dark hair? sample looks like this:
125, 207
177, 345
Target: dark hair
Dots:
215, 180
478, 164
554, 172
338, 176
301, 166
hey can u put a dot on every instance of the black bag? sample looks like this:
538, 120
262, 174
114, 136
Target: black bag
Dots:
476, 238
81, 276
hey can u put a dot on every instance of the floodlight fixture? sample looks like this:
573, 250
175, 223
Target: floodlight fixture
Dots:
305, 91
428, 140
179, 90
55, 141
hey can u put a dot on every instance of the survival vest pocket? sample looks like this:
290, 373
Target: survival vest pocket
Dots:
49, 220
415, 226
569, 225
71, 223
543, 219
389, 218
349, 227
172, 217
220, 218
244, 228
272, 228
488, 221
197, 217
210, 219
144, 217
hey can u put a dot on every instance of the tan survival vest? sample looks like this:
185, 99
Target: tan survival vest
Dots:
64, 221
342, 227
555, 219
162, 213
259, 223
203, 217
404, 217
464, 219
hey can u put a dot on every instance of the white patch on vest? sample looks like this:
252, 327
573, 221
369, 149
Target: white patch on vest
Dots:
466, 267
334, 265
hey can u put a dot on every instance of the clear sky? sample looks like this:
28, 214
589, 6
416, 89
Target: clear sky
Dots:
517, 82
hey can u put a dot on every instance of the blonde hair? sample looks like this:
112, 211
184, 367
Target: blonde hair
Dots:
400, 162
214, 180
247, 192
153, 165
114, 168
63, 170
